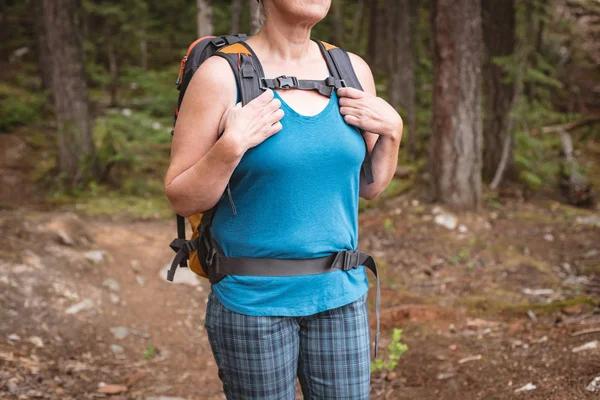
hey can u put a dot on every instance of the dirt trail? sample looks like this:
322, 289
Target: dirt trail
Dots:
462, 299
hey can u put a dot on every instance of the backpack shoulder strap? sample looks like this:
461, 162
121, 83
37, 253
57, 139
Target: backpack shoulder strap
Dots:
340, 66
246, 68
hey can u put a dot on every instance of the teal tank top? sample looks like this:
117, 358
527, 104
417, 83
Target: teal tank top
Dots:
296, 196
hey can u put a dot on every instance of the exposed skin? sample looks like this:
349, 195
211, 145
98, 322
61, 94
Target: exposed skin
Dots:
201, 165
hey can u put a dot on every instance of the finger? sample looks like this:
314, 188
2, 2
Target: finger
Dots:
350, 111
264, 98
273, 129
273, 106
347, 102
352, 120
276, 116
351, 93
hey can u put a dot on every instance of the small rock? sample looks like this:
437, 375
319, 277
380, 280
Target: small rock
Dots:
594, 385
452, 347
135, 265
13, 388
95, 256
436, 210
114, 298
127, 112
14, 337
592, 253
526, 388
140, 280
36, 394
111, 388
462, 229
112, 284
82, 305
391, 376
442, 376
448, 221
588, 220
415, 203
36, 341
538, 292
30, 258
548, 237
452, 328
64, 238
116, 349
156, 125
587, 346
119, 332
494, 215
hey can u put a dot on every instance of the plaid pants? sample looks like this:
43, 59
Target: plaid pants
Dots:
259, 357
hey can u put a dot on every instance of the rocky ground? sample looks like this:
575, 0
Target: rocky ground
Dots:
497, 305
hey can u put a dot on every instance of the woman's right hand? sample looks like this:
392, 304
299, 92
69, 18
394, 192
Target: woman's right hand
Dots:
246, 127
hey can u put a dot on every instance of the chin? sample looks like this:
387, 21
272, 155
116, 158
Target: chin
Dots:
307, 10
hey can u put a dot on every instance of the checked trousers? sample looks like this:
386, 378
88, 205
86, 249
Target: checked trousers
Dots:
259, 357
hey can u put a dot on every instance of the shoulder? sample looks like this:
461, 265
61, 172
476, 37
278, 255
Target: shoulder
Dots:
363, 72
214, 79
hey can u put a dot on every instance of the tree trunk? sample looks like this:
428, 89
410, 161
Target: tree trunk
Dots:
113, 68
254, 17
457, 113
236, 16
43, 52
358, 20
401, 65
374, 32
144, 53
204, 17
499, 39
338, 23
75, 143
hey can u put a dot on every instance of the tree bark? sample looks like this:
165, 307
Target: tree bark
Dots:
456, 145
43, 52
499, 39
358, 20
236, 16
338, 23
254, 17
75, 143
204, 17
401, 61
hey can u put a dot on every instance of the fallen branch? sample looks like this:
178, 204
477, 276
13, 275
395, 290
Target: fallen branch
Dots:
569, 126
586, 332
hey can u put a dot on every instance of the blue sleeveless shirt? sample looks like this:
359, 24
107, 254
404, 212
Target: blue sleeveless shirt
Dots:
296, 196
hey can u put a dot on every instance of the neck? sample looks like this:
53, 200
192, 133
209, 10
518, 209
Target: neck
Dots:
285, 40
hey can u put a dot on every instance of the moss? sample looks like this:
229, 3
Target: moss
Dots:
394, 189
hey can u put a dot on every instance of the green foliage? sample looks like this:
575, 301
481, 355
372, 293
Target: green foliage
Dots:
150, 352
18, 106
395, 351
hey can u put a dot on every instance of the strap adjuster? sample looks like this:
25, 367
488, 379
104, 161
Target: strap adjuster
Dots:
219, 42
189, 245
350, 260
287, 82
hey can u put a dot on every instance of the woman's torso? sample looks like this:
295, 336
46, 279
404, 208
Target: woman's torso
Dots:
296, 196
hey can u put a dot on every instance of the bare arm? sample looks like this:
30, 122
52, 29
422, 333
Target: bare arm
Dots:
201, 165
381, 123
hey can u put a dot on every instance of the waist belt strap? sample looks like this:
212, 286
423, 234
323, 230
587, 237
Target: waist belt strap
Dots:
344, 260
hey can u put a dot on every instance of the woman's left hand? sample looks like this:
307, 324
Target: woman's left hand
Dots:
369, 113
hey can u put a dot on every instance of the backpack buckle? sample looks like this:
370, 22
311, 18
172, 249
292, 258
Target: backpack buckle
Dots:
287, 82
350, 260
